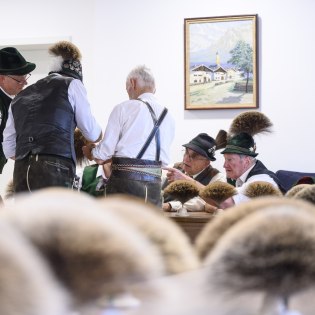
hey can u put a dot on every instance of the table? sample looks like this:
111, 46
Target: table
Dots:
191, 224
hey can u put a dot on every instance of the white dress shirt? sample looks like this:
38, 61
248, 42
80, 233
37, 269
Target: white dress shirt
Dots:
241, 185
128, 128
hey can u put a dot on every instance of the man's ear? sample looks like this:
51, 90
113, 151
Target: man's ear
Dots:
248, 160
133, 83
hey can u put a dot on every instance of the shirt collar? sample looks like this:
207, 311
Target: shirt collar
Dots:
241, 180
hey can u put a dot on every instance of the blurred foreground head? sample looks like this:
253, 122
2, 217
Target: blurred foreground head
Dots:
172, 243
215, 229
94, 254
26, 284
271, 251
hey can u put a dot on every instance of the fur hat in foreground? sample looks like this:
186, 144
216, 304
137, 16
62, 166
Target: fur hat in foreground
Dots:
307, 194
260, 189
93, 253
217, 192
271, 251
294, 190
242, 130
67, 59
215, 229
27, 285
173, 244
182, 190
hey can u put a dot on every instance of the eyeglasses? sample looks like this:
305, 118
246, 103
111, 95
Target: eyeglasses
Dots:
24, 78
193, 156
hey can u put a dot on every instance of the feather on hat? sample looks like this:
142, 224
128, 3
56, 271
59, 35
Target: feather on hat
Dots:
241, 132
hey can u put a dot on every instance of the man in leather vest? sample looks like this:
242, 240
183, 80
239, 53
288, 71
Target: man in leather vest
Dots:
196, 166
14, 72
242, 167
39, 134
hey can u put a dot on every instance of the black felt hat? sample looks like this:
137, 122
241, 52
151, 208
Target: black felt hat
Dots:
13, 63
204, 145
242, 143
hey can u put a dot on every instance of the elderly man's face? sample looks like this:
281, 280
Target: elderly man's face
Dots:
194, 163
13, 84
236, 165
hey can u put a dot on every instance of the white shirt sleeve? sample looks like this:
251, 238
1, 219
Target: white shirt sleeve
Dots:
106, 148
193, 204
9, 137
86, 122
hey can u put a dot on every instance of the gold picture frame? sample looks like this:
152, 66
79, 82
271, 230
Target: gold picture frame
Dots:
221, 62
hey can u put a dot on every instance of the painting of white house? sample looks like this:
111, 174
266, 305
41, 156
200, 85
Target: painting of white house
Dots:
221, 62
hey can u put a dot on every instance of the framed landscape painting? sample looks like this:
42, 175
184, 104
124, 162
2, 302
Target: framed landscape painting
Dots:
221, 62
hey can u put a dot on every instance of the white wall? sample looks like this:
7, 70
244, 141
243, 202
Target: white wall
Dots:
116, 35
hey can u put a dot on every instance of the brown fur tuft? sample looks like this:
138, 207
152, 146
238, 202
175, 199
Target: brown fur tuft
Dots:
251, 122
94, 254
79, 142
294, 190
307, 194
270, 250
260, 188
66, 50
9, 191
221, 139
182, 190
217, 192
173, 244
27, 285
216, 228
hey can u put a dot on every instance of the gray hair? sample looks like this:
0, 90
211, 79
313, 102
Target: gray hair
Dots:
143, 75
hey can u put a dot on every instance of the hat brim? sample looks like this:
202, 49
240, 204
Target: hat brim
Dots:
27, 68
235, 151
198, 150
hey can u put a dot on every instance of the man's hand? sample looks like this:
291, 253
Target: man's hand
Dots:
175, 174
210, 208
227, 203
166, 207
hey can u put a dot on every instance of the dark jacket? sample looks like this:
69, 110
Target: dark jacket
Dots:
260, 168
4, 109
44, 119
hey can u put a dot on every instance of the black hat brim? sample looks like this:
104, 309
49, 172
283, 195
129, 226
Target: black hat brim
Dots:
235, 151
198, 150
27, 68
